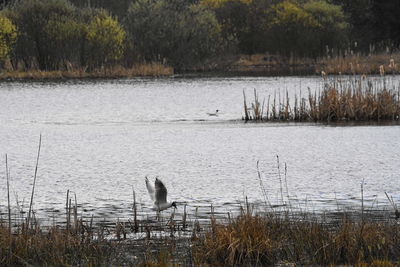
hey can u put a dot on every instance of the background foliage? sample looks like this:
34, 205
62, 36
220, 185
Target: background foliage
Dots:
91, 34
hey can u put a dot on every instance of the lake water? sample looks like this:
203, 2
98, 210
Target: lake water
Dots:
101, 138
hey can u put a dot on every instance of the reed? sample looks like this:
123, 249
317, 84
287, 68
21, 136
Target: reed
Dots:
352, 100
135, 221
255, 112
54, 247
394, 206
139, 70
253, 240
34, 183
381, 63
249, 239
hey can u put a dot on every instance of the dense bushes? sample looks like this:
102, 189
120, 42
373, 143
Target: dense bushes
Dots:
105, 40
59, 35
172, 31
286, 27
53, 34
8, 35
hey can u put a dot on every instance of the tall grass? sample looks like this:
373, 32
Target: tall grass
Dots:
382, 63
254, 240
140, 70
250, 239
337, 101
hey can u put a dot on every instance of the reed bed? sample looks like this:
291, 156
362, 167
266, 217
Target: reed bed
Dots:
254, 240
140, 70
383, 63
358, 100
250, 239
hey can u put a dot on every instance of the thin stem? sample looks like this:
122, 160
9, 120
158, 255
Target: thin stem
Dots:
34, 180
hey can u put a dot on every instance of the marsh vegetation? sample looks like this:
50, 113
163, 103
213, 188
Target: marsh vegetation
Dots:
340, 100
247, 239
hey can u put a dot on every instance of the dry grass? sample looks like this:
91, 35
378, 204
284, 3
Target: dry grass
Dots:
140, 70
351, 63
249, 240
54, 247
339, 101
253, 240
357, 64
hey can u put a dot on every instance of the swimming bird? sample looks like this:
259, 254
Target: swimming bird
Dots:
158, 193
213, 114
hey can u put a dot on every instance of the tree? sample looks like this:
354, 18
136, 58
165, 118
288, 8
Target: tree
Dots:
65, 33
8, 35
330, 30
38, 23
106, 40
288, 28
180, 33
361, 20
306, 28
117, 8
243, 22
386, 23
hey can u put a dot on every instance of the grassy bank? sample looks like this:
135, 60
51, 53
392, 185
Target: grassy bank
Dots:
248, 240
359, 100
252, 240
275, 65
249, 65
141, 70
381, 64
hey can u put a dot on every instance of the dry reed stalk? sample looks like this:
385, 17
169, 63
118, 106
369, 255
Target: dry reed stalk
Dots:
274, 108
362, 201
280, 179
286, 185
8, 195
9, 211
393, 204
184, 217
263, 190
246, 113
67, 211
34, 182
257, 109
76, 216
136, 225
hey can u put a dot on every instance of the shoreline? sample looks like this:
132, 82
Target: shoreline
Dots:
247, 239
258, 65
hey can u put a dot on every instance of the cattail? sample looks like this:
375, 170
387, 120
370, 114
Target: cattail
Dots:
381, 70
392, 65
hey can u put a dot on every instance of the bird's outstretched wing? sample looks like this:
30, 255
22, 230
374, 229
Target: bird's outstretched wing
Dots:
161, 192
150, 189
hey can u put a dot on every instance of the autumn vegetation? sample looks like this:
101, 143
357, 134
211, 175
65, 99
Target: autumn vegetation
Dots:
80, 37
249, 239
338, 100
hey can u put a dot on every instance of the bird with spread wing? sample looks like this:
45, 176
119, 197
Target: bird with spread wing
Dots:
158, 194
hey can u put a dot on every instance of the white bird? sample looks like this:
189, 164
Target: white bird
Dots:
213, 114
158, 194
